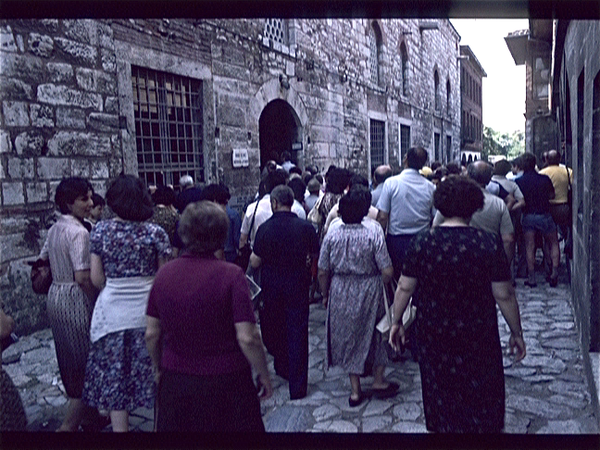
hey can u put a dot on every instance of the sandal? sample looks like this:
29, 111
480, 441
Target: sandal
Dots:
388, 392
353, 403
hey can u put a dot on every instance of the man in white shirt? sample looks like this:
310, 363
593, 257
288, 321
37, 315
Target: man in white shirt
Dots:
406, 206
262, 207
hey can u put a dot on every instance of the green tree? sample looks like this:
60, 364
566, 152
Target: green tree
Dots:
508, 144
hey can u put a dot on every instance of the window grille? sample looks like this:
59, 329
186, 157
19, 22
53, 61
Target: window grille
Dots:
276, 30
377, 143
404, 141
436, 143
404, 56
436, 81
168, 126
374, 59
448, 148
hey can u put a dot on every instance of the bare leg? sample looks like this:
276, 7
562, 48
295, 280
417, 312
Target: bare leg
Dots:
529, 237
378, 378
552, 239
355, 385
75, 411
119, 421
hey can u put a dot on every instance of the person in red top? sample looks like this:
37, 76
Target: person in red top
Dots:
202, 334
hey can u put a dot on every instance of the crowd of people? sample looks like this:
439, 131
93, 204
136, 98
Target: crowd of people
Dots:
150, 304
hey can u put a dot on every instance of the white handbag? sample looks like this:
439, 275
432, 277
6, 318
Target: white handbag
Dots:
410, 314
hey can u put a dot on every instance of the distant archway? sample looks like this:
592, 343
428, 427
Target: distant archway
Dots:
278, 130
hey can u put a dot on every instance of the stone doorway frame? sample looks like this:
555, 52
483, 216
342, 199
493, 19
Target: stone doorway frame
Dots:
274, 90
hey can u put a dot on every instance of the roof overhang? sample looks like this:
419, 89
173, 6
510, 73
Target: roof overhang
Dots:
517, 45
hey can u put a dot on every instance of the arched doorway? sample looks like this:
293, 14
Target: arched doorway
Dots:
279, 131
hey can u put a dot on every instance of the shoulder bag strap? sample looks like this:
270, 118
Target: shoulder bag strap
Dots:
252, 221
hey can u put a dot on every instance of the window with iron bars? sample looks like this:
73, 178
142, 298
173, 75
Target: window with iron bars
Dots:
404, 141
377, 143
374, 57
168, 126
276, 30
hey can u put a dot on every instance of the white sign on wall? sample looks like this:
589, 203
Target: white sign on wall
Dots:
240, 158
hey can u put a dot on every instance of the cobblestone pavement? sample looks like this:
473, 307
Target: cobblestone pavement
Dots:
547, 392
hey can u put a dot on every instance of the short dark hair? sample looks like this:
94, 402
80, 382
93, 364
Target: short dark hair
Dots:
434, 165
274, 179
283, 194
480, 172
216, 193
298, 187
358, 180
454, 168
553, 157
416, 157
528, 162
502, 167
69, 190
458, 196
338, 180
164, 195
97, 199
355, 204
296, 170
129, 199
203, 227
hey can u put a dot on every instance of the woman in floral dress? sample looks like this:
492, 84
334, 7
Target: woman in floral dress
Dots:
126, 253
353, 266
459, 274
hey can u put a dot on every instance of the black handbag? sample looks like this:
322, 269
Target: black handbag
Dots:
41, 275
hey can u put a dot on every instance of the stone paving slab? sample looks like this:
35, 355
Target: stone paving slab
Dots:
546, 393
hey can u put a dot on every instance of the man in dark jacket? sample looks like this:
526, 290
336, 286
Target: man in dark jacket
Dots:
286, 247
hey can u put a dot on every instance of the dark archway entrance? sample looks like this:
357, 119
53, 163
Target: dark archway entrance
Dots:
279, 129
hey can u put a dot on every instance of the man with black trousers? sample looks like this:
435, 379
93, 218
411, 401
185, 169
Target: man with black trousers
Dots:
286, 247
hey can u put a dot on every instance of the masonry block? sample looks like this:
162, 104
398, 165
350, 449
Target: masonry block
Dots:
40, 45
53, 168
41, 115
109, 60
25, 67
62, 95
29, 143
99, 170
36, 192
60, 72
80, 53
12, 194
80, 168
5, 143
19, 168
111, 105
79, 144
82, 30
15, 89
103, 122
7, 39
16, 114
70, 118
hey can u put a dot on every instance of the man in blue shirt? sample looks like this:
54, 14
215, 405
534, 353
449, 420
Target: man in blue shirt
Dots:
406, 206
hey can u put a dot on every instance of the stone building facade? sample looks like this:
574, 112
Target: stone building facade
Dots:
563, 112
471, 108
212, 98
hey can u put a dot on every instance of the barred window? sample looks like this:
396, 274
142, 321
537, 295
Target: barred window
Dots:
276, 30
436, 145
168, 126
404, 56
377, 143
375, 54
436, 82
404, 141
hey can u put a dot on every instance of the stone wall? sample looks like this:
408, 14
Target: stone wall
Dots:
59, 118
67, 106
